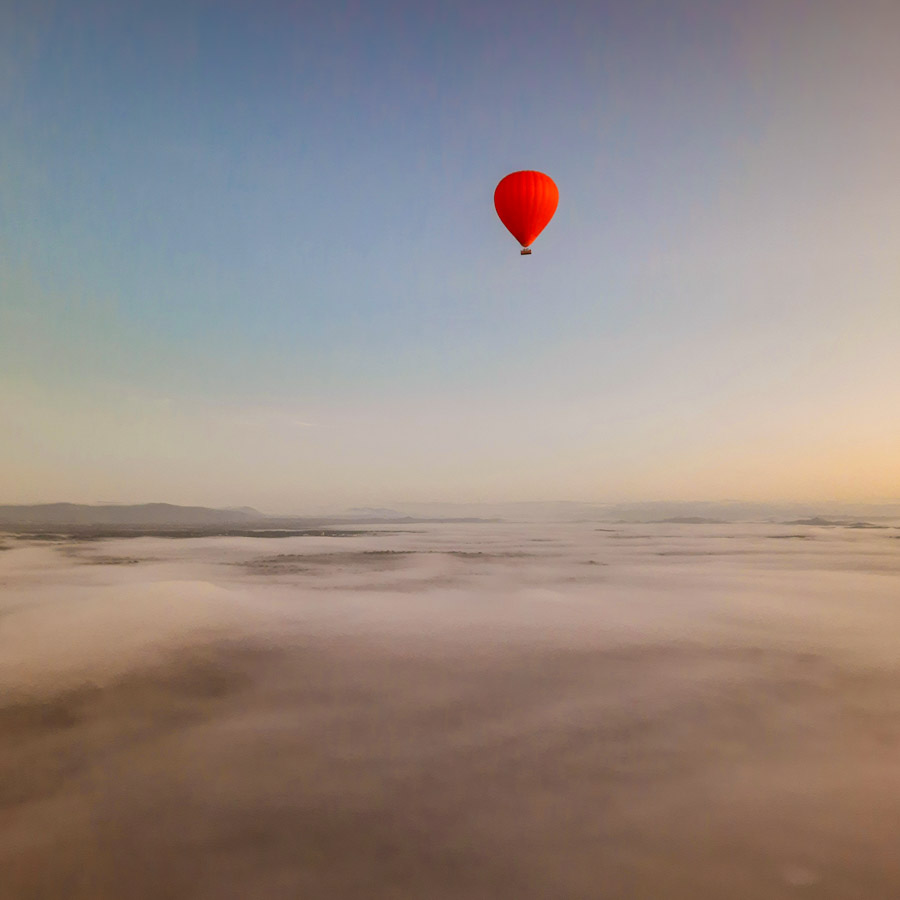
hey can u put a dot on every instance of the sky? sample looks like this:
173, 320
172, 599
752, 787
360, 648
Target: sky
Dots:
248, 252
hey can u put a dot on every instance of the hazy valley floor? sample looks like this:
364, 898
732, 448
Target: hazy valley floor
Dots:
453, 711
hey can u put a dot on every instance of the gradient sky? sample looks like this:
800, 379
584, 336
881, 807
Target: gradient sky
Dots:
248, 252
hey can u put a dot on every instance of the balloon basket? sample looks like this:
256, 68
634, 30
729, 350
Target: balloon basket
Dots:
525, 252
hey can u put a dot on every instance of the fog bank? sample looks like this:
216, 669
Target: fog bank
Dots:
453, 711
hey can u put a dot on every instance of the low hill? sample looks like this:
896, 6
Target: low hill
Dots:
146, 515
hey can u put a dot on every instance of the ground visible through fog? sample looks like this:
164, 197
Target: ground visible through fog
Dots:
446, 711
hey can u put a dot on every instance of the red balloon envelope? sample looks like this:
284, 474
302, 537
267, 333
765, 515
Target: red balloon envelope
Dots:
525, 202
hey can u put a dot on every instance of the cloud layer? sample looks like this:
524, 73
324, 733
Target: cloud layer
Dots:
452, 711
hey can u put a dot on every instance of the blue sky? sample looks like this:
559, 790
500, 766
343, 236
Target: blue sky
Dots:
249, 252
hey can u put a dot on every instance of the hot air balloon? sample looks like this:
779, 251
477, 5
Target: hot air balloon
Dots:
525, 202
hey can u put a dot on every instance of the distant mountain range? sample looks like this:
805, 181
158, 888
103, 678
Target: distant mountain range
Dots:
167, 515
373, 512
145, 514
673, 512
